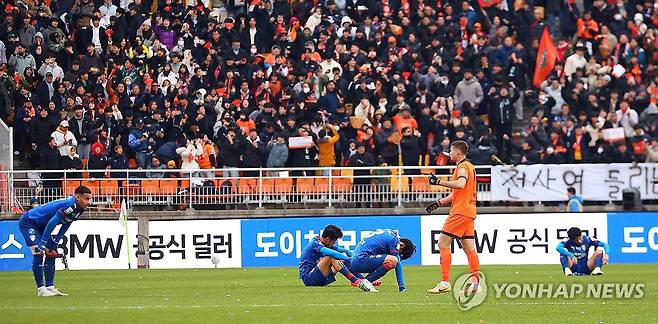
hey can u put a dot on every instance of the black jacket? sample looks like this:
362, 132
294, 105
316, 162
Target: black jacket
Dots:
253, 156
87, 134
501, 109
230, 153
410, 146
49, 159
40, 130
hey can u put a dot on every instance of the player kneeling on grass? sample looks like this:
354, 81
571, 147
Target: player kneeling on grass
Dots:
379, 252
37, 225
322, 258
574, 250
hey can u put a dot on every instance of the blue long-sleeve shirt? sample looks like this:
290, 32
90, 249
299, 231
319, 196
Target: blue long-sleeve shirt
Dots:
47, 216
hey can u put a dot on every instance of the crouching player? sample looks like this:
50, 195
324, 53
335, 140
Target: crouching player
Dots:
37, 225
322, 258
574, 250
379, 252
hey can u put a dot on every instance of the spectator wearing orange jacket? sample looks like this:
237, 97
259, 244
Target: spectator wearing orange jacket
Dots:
327, 139
587, 28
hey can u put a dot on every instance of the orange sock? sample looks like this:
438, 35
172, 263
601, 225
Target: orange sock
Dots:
473, 264
446, 260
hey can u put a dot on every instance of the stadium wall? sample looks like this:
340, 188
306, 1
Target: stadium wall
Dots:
269, 242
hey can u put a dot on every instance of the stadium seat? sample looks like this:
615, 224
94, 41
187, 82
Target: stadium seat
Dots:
132, 164
226, 182
93, 185
419, 184
268, 186
248, 186
399, 183
130, 190
341, 185
109, 187
169, 187
150, 187
283, 185
322, 185
347, 173
69, 186
305, 185
184, 184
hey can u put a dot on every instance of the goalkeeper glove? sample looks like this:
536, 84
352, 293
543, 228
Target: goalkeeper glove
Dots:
52, 253
434, 180
432, 207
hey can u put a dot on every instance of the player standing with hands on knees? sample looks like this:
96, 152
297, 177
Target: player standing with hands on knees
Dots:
460, 221
37, 225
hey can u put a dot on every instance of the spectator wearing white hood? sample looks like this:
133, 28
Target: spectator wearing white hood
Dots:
188, 155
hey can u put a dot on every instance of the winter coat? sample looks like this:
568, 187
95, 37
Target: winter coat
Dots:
188, 155
135, 142
468, 90
253, 156
326, 148
278, 155
64, 141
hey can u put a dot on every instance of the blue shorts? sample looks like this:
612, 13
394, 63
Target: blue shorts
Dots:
581, 268
316, 278
31, 232
366, 263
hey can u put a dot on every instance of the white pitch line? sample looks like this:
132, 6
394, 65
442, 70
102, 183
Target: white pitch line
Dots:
140, 307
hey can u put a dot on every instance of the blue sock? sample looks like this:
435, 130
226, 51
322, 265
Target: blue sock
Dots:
49, 271
598, 261
564, 261
378, 273
347, 264
346, 272
37, 269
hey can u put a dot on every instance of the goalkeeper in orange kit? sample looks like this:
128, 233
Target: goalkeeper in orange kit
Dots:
460, 222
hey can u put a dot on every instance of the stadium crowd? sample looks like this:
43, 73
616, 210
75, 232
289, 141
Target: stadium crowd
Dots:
153, 84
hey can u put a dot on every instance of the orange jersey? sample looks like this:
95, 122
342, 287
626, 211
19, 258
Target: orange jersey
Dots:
464, 200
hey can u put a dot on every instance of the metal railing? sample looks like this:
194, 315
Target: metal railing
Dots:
253, 188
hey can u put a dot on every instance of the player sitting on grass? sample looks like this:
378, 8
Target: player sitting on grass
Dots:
574, 250
321, 259
37, 225
379, 252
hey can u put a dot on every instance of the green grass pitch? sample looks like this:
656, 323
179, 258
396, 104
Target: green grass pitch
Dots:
269, 295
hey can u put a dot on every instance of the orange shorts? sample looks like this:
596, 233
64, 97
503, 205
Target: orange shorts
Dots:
458, 226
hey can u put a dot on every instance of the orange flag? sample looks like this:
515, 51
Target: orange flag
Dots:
488, 3
546, 56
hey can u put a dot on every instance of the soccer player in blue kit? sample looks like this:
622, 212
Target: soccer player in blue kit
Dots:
574, 250
379, 252
322, 258
37, 225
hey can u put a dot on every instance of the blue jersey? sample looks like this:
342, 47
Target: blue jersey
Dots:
64, 208
42, 220
571, 249
314, 251
379, 242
